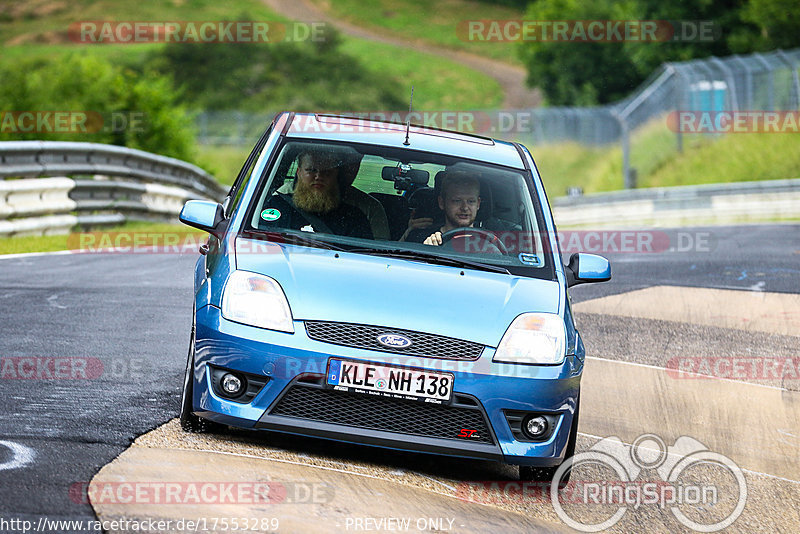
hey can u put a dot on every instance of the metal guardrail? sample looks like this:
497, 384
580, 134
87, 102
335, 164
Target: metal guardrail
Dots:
115, 184
162, 185
676, 206
28, 159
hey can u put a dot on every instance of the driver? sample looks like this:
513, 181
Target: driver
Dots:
460, 201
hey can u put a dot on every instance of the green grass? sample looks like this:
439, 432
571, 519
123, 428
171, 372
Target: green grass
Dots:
37, 21
72, 241
224, 162
704, 159
733, 158
439, 84
433, 22
38, 30
36, 33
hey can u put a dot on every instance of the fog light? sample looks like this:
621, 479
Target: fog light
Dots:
536, 426
231, 384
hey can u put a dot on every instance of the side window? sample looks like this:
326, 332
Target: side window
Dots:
235, 194
369, 178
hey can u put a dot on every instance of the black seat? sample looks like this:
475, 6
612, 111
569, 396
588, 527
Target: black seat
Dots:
397, 212
424, 202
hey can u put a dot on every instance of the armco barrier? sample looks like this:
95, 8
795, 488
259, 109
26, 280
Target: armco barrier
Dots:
114, 184
132, 184
683, 205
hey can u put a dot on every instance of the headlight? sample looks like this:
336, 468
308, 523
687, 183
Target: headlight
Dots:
533, 338
256, 300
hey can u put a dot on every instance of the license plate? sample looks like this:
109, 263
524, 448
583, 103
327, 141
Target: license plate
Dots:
392, 382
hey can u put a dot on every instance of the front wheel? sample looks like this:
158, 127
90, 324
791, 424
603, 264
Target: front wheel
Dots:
536, 473
189, 421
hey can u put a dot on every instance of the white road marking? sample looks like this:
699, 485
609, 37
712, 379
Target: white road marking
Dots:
35, 254
448, 486
786, 433
759, 473
21, 455
648, 366
52, 301
303, 464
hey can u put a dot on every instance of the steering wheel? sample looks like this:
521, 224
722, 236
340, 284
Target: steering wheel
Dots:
483, 235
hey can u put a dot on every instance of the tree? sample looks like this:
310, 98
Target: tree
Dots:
137, 110
777, 21
578, 73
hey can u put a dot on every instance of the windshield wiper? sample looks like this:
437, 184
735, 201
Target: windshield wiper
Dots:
430, 258
294, 239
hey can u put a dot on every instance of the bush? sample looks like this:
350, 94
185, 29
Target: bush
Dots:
138, 110
276, 76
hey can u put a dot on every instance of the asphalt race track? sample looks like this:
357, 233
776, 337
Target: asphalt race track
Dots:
93, 348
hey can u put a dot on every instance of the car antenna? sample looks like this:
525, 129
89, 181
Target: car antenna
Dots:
408, 119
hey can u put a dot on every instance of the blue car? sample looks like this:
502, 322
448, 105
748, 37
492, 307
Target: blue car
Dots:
388, 285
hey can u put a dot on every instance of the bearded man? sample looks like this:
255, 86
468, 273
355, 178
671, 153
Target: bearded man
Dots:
316, 204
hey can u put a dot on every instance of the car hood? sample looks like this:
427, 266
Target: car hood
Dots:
326, 285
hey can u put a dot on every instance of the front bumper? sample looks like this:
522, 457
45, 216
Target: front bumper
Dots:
295, 363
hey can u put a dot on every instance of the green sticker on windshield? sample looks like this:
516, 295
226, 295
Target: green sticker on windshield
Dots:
270, 214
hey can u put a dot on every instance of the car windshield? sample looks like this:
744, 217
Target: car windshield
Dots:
384, 200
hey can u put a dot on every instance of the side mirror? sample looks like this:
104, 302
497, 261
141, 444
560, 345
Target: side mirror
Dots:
584, 268
204, 215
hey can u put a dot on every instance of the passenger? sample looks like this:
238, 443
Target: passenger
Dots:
460, 201
369, 205
316, 204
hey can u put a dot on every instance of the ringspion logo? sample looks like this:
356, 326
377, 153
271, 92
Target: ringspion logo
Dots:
677, 489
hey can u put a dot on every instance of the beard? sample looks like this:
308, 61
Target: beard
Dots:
316, 201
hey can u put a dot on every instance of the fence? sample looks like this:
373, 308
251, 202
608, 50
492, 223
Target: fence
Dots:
766, 82
108, 185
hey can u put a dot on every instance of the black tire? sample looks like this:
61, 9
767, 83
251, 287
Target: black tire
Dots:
189, 421
535, 473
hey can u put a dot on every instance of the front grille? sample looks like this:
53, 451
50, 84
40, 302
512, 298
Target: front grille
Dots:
366, 337
416, 418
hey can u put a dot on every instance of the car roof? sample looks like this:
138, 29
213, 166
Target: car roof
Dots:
356, 130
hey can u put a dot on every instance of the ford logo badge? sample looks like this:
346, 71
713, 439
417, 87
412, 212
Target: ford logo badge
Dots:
394, 341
